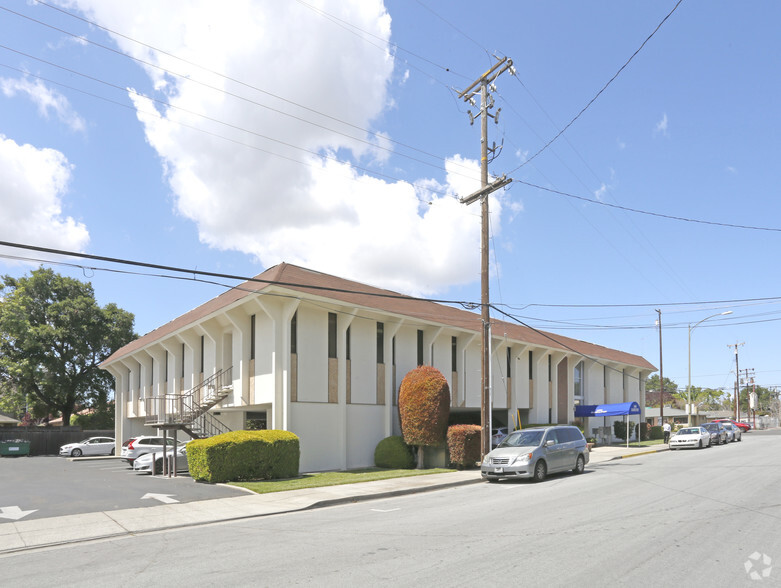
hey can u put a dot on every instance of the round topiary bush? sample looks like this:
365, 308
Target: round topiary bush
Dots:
394, 454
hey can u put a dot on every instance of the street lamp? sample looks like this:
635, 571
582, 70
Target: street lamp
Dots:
689, 387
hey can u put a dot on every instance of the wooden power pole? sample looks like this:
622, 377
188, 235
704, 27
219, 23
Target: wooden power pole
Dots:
481, 86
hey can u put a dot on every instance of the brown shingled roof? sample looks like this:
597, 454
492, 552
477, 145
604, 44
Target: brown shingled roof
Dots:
297, 279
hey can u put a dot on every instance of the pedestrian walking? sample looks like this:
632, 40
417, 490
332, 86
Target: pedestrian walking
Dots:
666, 428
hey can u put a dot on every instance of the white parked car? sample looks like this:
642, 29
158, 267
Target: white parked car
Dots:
135, 447
698, 437
146, 461
91, 446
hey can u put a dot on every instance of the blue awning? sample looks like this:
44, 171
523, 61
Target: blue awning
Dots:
606, 410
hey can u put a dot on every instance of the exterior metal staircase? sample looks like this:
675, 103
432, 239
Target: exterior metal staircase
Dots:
189, 411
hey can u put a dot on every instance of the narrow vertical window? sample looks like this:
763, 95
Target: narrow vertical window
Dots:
182, 370
531, 365
202, 352
331, 334
420, 347
152, 373
166, 366
252, 337
380, 343
453, 354
393, 351
294, 333
509, 362
578, 381
347, 354
550, 368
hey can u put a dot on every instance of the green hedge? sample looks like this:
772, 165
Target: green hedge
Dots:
244, 455
393, 453
657, 433
463, 443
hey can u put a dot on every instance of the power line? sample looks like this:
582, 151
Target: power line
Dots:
211, 119
610, 81
374, 134
657, 214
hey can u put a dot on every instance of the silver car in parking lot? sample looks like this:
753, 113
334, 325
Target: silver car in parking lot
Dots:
535, 453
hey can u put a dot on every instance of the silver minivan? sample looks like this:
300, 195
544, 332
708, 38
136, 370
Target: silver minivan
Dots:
535, 453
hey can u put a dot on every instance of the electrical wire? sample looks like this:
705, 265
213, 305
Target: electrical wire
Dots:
598, 94
657, 214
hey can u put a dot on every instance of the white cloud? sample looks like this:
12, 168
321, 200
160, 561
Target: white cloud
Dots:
600, 192
732, 170
34, 182
272, 200
661, 126
46, 99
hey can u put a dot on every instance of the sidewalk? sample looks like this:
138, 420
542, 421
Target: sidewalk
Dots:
37, 533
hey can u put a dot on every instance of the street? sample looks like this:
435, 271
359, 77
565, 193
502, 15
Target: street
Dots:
705, 516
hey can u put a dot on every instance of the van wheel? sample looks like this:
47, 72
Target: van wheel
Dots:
76, 453
540, 471
580, 465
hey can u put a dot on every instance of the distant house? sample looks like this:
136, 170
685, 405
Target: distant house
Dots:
323, 357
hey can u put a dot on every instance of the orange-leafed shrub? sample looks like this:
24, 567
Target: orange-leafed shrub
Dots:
424, 407
463, 444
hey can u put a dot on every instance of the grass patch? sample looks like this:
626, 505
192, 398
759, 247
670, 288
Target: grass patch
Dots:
320, 479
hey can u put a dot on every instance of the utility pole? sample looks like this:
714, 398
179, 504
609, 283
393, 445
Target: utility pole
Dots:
747, 380
482, 85
661, 371
737, 377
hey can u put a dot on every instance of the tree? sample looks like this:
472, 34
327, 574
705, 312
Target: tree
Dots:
704, 398
652, 391
424, 407
53, 337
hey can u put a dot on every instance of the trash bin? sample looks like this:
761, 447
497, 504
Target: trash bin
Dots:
14, 447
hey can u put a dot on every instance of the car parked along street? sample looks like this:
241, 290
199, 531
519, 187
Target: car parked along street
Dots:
535, 453
697, 437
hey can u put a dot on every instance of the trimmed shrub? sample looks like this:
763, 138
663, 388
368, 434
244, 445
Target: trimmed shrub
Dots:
424, 407
619, 429
463, 444
394, 454
657, 433
645, 431
244, 455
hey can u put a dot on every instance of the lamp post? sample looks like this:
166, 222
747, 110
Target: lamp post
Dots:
689, 387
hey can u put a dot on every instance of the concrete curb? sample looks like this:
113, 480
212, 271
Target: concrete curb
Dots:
627, 456
389, 494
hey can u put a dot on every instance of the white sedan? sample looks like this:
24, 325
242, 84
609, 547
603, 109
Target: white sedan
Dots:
690, 437
144, 463
91, 446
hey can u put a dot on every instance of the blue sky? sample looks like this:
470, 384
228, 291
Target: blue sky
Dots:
229, 138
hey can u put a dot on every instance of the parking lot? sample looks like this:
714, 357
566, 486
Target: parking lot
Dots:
57, 486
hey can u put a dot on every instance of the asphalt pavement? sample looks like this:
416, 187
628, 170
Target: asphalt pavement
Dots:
21, 535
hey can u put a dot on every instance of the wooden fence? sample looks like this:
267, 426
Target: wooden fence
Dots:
48, 440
